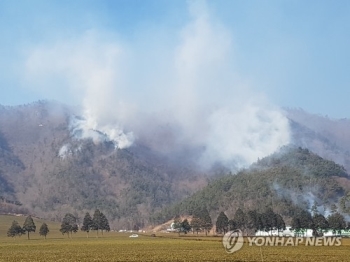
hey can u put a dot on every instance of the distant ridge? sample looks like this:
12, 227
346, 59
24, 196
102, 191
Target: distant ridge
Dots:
128, 185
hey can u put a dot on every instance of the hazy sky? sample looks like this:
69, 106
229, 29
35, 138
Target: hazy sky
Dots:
296, 53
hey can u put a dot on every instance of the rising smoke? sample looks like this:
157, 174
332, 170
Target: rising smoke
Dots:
179, 93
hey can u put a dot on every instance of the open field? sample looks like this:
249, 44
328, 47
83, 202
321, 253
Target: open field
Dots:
165, 247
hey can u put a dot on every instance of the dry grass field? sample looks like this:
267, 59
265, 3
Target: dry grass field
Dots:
164, 247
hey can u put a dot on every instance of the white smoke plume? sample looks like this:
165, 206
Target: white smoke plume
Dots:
87, 128
64, 151
180, 93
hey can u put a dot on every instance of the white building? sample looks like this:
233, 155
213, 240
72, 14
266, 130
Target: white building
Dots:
171, 228
288, 232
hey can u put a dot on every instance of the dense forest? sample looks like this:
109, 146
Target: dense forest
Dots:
37, 178
286, 182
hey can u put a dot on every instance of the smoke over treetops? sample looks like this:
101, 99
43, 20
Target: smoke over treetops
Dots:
171, 90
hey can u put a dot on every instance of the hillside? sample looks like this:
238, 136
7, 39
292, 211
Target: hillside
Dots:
325, 136
47, 171
126, 184
290, 179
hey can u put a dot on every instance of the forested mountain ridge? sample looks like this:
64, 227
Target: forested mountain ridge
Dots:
286, 181
46, 171
325, 136
127, 184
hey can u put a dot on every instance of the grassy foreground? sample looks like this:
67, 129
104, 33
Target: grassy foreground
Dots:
167, 247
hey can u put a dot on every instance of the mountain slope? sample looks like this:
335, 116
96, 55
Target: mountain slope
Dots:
327, 137
46, 170
50, 172
290, 179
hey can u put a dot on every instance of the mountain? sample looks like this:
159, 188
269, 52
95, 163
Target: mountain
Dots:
325, 136
48, 172
286, 181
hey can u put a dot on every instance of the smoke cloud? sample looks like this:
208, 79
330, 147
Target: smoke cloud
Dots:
174, 90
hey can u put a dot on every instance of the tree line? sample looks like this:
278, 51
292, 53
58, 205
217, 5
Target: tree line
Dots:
201, 221
98, 222
335, 222
69, 225
28, 226
252, 221
248, 222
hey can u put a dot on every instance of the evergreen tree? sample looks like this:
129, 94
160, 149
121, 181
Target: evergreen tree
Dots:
320, 224
253, 222
136, 228
280, 225
15, 230
44, 230
296, 225
97, 223
344, 203
205, 220
104, 223
336, 222
185, 226
302, 220
269, 220
69, 224
222, 223
306, 219
240, 219
232, 225
29, 225
196, 224
87, 223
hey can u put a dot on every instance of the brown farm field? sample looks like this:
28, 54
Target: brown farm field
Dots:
114, 246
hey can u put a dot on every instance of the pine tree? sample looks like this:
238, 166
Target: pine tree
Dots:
87, 224
296, 225
97, 223
269, 220
185, 226
222, 223
15, 230
232, 225
44, 230
104, 223
306, 220
240, 219
196, 224
69, 224
136, 228
253, 221
336, 222
280, 225
205, 219
302, 220
320, 223
29, 225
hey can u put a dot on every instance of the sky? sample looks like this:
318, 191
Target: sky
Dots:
292, 53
